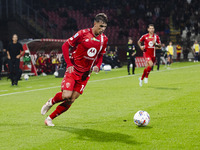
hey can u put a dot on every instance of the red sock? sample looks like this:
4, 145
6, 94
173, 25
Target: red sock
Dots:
60, 109
57, 98
148, 71
144, 73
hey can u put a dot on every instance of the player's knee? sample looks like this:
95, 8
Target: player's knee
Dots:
66, 96
72, 100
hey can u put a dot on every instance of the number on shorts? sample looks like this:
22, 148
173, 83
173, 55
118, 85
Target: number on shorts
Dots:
82, 88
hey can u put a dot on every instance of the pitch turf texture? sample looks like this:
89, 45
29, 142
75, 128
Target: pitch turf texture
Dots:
102, 117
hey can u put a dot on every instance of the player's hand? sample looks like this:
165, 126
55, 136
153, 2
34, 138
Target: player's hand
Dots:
96, 69
70, 69
142, 48
18, 56
9, 57
133, 54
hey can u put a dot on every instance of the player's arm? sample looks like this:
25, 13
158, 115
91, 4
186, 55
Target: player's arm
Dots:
96, 68
65, 50
21, 52
134, 51
71, 42
158, 42
140, 43
8, 55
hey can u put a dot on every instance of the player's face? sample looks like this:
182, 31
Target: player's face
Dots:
100, 27
151, 29
14, 38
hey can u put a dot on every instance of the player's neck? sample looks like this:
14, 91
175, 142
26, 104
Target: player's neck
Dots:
14, 42
151, 34
93, 32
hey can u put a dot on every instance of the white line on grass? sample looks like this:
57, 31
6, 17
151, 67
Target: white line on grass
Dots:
96, 81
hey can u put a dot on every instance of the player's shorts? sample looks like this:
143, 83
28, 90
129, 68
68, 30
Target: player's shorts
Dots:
73, 82
148, 58
170, 56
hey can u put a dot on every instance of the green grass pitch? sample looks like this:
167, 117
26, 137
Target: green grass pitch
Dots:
102, 118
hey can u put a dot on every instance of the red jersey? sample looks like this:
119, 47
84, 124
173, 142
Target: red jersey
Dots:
148, 44
86, 47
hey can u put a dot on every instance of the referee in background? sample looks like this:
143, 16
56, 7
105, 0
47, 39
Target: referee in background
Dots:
131, 56
14, 53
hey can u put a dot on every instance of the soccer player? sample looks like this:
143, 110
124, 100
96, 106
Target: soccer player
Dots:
178, 52
195, 47
130, 53
170, 53
151, 42
88, 47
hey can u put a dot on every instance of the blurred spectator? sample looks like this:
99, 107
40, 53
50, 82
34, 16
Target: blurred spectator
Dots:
55, 63
1, 57
178, 52
40, 65
195, 47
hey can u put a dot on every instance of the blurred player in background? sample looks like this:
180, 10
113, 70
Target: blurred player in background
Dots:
195, 47
14, 52
131, 51
170, 53
178, 52
88, 47
151, 42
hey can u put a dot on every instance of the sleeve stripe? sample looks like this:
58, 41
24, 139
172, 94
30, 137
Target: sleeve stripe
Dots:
69, 43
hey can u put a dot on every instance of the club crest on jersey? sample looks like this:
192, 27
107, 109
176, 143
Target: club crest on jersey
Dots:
94, 39
68, 84
91, 52
76, 35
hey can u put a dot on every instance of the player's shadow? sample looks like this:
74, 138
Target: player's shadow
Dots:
99, 136
163, 88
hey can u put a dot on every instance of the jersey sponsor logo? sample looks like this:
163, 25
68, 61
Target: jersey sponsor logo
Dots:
71, 38
91, 52
86, 40
75, 36
94, 39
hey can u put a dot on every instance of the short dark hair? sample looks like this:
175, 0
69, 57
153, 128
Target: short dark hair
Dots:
150, 25
101, 17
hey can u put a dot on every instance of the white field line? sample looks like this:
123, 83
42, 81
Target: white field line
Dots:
96, 81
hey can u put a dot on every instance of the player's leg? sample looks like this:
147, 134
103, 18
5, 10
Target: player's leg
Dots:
11, 70
149, 68
133, 62
168, 60
67, 87
64, 106
128, 66
145, 69
158, 62
17, 63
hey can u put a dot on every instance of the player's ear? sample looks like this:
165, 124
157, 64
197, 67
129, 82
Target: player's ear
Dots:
95, 23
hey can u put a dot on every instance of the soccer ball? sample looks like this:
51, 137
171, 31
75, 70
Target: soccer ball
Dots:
107, 68
26, 77
141, 118
56, 73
